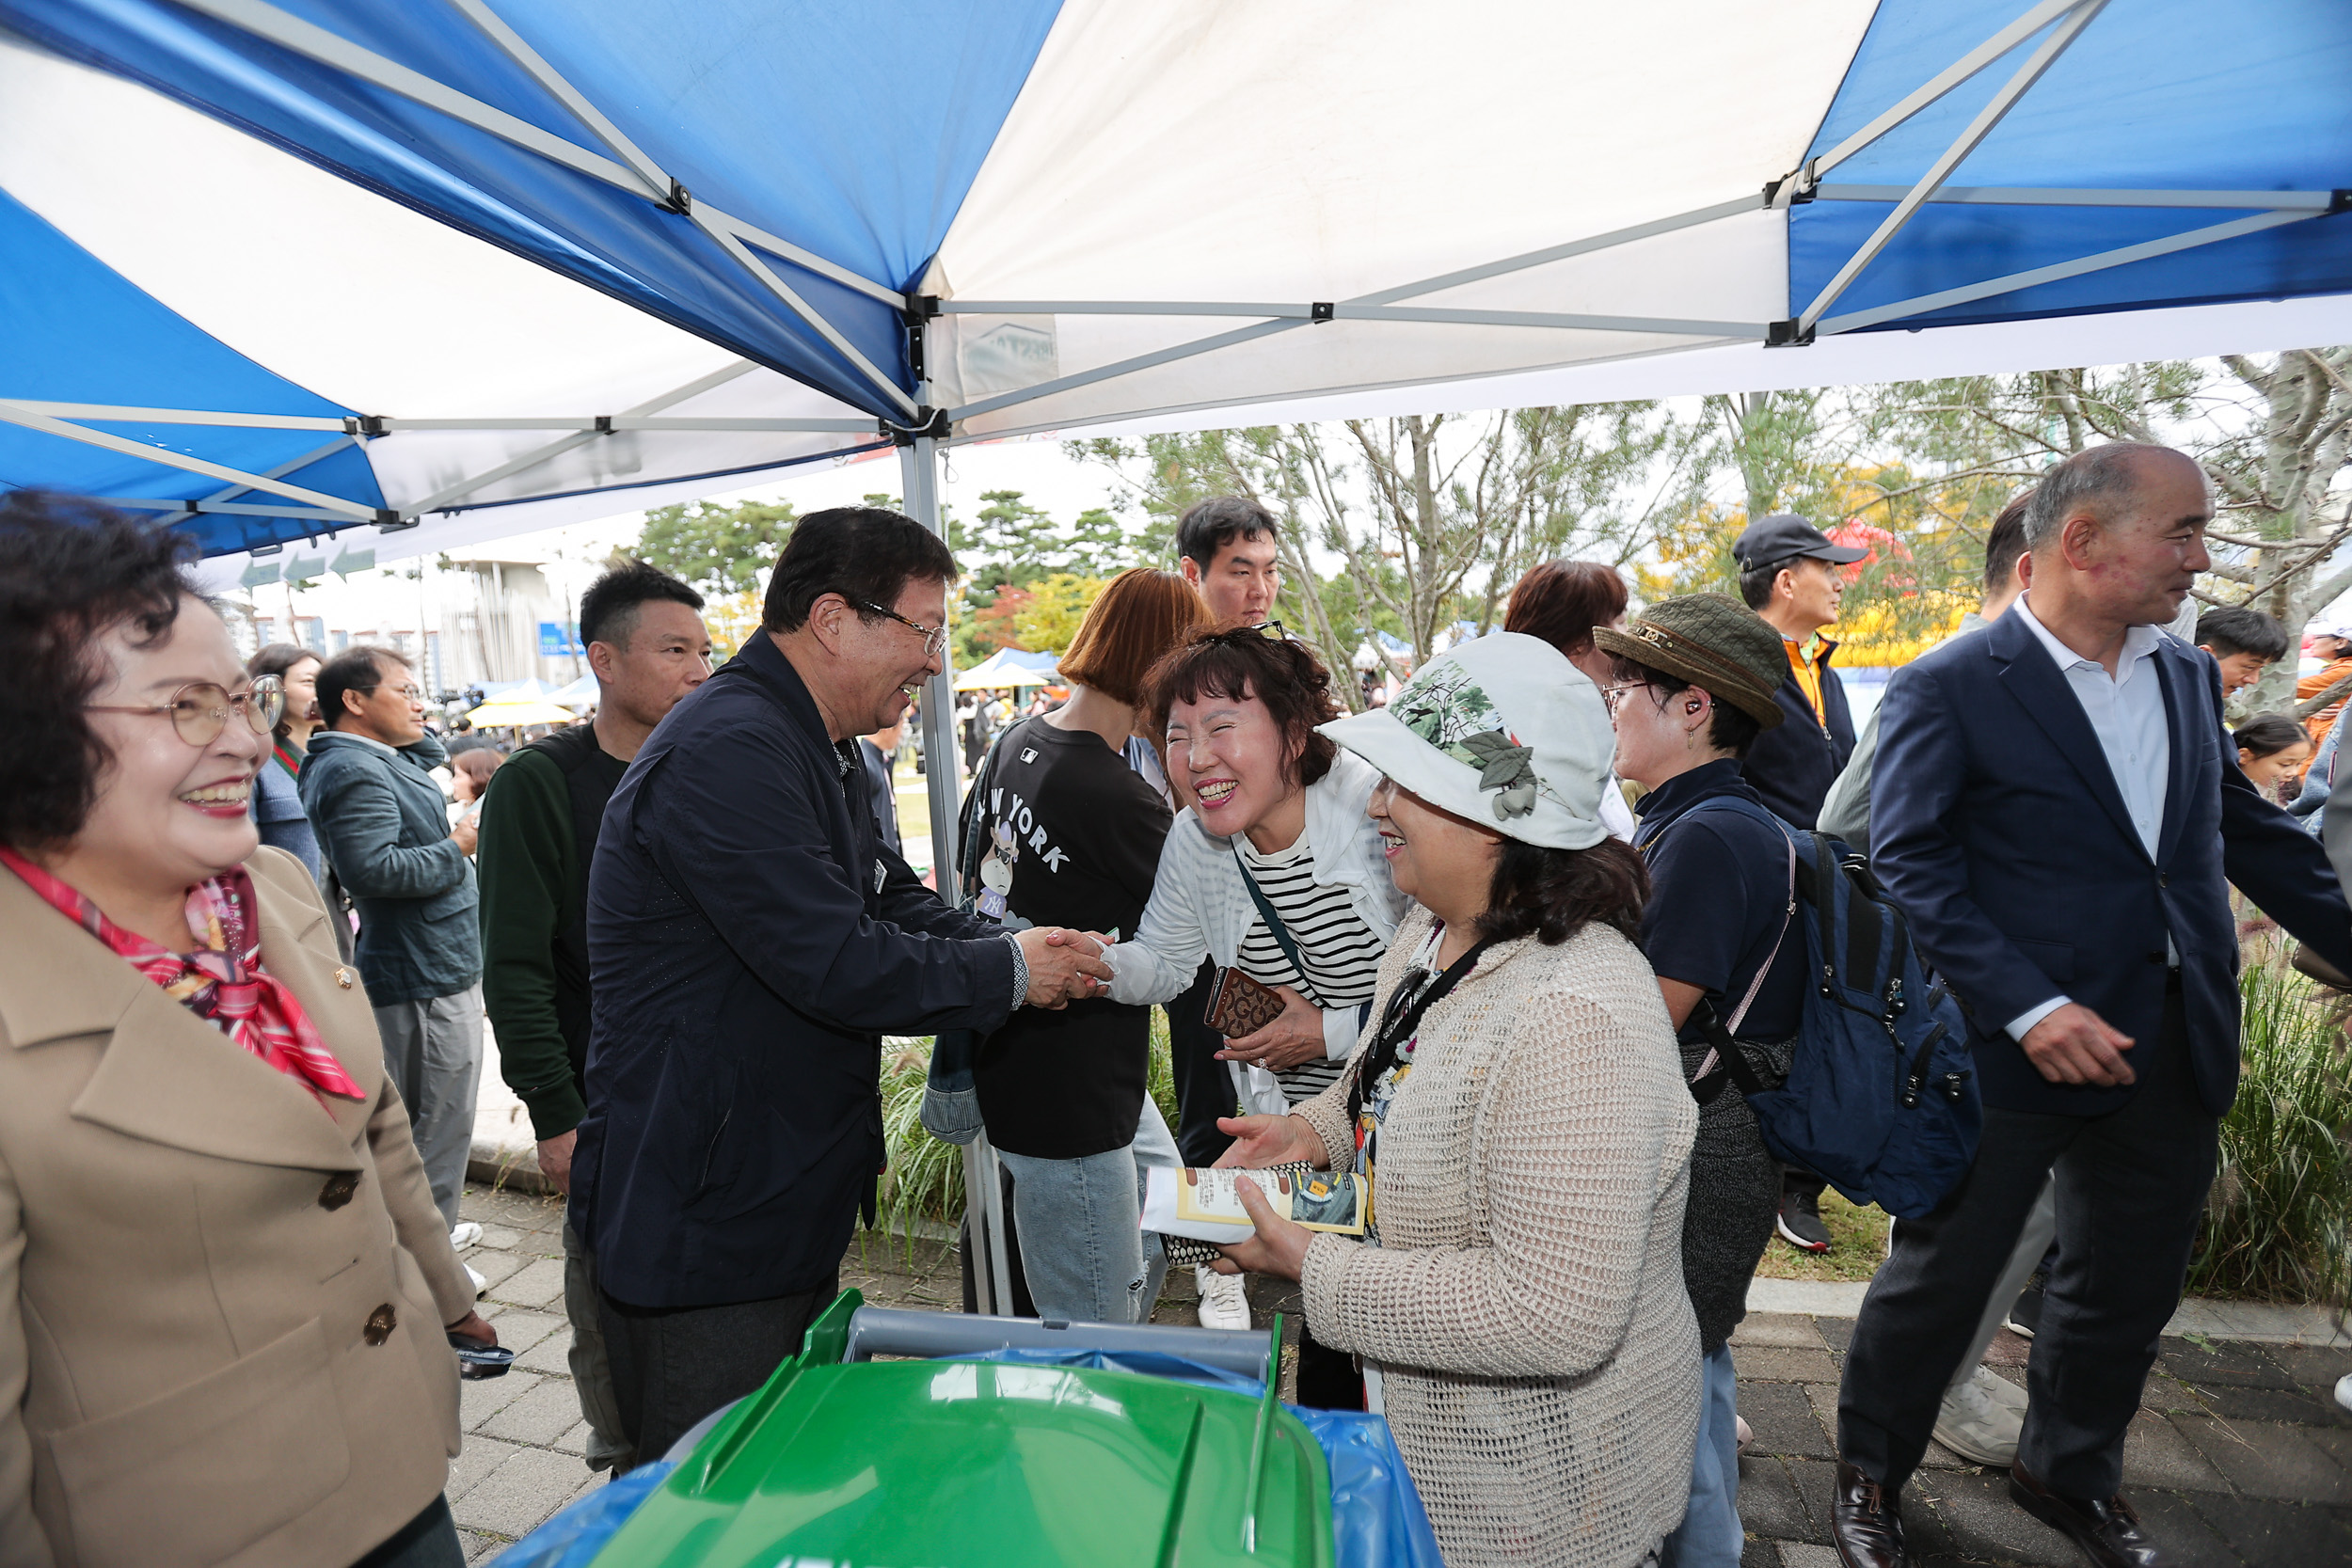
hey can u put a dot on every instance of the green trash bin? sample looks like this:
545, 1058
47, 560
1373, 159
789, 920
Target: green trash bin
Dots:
932, 1464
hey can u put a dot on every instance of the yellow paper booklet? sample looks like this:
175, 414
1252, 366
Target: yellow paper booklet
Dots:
1206, 1205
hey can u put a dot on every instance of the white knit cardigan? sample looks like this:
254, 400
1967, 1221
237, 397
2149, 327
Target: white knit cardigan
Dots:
1539, 1362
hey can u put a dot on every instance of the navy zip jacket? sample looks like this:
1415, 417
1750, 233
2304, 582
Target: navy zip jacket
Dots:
1792, 766
750, 942
1997, 826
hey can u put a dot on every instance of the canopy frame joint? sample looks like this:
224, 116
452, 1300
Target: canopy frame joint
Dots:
1788, 334
930, 424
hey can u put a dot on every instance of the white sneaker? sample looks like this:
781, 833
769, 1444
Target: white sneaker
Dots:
1979, 1420
1742, 1431
464, 1234
2343, 1390
1224, 1298
481, 1284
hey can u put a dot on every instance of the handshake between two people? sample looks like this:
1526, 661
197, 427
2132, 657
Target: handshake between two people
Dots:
1065, 966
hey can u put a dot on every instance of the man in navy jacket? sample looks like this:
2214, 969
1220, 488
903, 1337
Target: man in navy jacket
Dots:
2058, 809
751, 940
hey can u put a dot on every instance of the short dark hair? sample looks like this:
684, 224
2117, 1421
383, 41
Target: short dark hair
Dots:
275, 660
1551, 894
2004, 543
1207, 527
2241, 631
1283, 674
1755, 585
358, 668
866, 554
1729, 727
608, 610
2097, 479
2267, 733
1562, 601
70, 569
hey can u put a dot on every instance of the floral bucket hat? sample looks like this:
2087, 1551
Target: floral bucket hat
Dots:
1503, 731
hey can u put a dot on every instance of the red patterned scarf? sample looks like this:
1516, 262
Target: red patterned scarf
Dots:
220, 979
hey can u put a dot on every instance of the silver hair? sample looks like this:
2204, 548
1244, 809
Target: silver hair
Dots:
2097, 481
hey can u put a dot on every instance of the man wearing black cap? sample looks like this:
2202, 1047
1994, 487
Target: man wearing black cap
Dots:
1788, 576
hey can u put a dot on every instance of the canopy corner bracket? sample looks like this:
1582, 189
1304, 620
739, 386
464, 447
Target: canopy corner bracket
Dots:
930, 424
1788, 334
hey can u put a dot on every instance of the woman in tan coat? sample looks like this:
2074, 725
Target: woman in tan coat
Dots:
223, 1283
1518, 1306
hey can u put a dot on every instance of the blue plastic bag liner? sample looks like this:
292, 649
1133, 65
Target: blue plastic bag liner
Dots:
1377, 1517
574, 1537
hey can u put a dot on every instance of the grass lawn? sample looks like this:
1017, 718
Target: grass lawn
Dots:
914, 806
1857, 1245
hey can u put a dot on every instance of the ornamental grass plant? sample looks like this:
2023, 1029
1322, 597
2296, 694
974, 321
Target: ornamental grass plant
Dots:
923, 1183
2276, 1222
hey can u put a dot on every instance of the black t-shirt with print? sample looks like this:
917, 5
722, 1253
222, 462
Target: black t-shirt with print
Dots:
1082, 833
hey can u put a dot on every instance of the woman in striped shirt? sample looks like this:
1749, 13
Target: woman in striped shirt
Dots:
1273, 868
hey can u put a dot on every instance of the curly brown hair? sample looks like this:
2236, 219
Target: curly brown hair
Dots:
70, 569
1247, 662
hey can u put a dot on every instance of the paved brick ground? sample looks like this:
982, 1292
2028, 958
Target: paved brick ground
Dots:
2239, 1459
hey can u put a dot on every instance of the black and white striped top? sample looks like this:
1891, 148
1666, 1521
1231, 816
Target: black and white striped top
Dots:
1342, 953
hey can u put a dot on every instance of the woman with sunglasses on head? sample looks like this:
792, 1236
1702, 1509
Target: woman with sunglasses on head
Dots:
1694, 679
1069, 834
1273, 870
276, 798
223, 1283
1517, 1112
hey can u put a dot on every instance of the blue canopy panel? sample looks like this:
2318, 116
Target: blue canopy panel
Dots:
80, 332
2152, 95
807, 158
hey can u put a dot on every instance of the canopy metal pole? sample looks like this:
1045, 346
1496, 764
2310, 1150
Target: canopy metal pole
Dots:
918, 468
47, 426
2044, 55
983, 1191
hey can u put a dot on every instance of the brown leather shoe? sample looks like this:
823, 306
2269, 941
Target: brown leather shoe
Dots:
1865, 1522
2105, 1529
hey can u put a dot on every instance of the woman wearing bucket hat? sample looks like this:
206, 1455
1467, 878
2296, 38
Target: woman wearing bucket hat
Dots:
1695, 683
1518, 1107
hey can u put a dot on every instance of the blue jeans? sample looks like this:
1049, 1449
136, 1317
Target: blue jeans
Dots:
1710, 1535
1080, 1221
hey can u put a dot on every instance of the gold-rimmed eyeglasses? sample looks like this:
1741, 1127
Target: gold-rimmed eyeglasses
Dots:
934, 638
199, 710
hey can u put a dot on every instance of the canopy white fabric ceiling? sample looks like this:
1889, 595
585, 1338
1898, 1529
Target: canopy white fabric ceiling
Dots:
463, 268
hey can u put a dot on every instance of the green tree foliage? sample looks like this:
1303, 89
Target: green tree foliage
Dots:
1428, 520
721, 549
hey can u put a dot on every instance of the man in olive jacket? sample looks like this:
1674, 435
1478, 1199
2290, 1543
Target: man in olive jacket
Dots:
648, 648
383, 825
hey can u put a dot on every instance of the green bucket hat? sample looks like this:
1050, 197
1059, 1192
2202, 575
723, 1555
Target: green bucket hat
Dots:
1713, 642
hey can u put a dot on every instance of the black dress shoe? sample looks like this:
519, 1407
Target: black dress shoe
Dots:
1865, 1522
2106, 1529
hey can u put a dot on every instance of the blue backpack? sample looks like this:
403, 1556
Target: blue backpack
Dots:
1881, 1096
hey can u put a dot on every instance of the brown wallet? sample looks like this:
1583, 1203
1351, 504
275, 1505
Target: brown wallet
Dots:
1239, 1006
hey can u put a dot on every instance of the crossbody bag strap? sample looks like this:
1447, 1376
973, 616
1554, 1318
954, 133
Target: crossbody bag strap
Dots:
1274, 924
1399, 1019
1724, 1055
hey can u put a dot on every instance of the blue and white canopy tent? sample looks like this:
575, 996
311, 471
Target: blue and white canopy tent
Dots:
431, 272
437, 271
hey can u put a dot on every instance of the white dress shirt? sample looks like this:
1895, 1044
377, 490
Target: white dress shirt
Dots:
2127, 713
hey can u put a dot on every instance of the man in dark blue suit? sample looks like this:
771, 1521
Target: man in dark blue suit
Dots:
2058, 810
